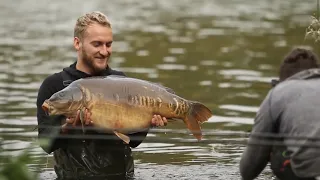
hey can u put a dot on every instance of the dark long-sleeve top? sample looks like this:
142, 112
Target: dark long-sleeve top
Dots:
109, 156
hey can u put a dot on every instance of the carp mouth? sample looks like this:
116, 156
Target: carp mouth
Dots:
45, 106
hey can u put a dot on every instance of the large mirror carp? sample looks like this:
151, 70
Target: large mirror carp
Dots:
126, 105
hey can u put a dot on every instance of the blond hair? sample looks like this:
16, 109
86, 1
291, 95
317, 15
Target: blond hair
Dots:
87, 19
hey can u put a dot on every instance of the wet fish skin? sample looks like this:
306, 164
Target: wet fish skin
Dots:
126, 105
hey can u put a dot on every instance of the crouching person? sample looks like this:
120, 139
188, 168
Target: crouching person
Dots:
291, 108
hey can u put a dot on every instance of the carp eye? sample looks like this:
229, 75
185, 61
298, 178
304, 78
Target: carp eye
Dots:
77, 94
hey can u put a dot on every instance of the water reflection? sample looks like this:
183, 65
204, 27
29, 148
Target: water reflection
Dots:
222, 53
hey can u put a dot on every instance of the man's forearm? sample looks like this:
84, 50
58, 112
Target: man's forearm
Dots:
254, 159
49, 132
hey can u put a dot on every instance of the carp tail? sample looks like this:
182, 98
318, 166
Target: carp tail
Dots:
197, 114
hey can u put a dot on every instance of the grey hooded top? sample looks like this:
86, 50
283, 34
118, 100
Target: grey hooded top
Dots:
292, 108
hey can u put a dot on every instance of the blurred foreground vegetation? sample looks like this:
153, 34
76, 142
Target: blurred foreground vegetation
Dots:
16, 167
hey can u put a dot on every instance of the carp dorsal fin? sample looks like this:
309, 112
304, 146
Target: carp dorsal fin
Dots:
170, 90
94, 77
166, 88
125, 138
157, 84
116, 76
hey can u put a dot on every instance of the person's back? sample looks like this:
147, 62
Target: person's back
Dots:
295, 109
289, 110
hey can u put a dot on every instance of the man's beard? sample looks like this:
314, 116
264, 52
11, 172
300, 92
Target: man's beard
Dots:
90, 63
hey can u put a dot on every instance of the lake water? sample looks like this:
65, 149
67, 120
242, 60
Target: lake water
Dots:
221, 53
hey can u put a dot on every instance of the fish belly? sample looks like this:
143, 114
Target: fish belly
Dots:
122, 118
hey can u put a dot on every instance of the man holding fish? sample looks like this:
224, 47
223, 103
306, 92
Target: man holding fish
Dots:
85, 158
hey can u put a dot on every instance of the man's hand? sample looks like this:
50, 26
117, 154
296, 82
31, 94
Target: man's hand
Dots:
157, 120
75, 121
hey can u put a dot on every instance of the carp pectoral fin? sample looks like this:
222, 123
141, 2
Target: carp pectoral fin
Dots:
124, 137
82, 111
